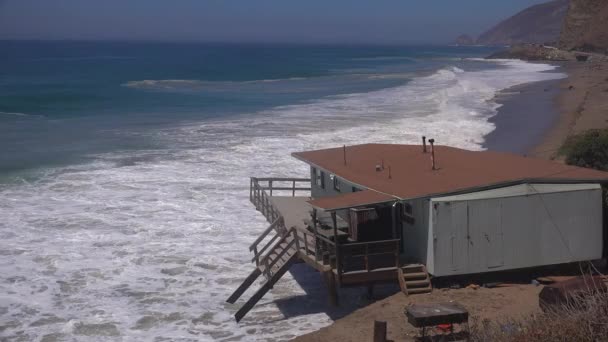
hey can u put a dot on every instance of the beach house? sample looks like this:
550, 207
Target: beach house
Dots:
380, 212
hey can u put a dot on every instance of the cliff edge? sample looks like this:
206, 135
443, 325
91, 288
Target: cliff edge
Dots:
585, 27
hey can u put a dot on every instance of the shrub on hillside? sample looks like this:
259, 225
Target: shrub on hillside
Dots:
588, 149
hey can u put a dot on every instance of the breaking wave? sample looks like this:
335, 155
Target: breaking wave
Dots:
198, 84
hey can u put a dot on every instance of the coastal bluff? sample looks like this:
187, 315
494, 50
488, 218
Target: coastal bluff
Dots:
585, 27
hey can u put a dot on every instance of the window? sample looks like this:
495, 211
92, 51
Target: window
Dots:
336, 183
319, 177
408, 213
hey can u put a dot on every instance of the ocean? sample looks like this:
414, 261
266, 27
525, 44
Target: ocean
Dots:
124, 172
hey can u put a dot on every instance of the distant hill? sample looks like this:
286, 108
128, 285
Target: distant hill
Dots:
586, 26
465, 39
537, 24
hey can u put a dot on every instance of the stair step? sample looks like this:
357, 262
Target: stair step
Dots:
412, 266
417, 290
414, 270
417, 283
417, 275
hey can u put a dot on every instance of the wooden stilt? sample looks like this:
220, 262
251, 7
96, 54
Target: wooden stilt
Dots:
370, 291
332, 290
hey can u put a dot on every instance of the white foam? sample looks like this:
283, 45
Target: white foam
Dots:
153, 248
171, 84
18, 114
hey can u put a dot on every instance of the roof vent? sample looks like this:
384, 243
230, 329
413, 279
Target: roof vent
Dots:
378, 168
432, 142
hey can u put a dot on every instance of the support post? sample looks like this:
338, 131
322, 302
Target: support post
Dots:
332, 290
336, 244
257, 257
380, 331
296, 238
314, 228
335, 224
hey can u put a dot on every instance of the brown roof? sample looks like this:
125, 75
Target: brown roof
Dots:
458, 169
351, 200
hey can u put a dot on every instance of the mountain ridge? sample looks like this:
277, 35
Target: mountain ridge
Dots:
537, 24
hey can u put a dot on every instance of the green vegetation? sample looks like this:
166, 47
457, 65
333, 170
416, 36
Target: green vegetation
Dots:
588, 149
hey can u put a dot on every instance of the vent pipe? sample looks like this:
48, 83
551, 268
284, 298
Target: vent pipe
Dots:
344, 154
423, 144
432, 142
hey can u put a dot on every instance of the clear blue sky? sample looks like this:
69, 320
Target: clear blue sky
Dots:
348, 21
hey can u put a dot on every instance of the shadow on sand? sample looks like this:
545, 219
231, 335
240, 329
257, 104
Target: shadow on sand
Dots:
316, 298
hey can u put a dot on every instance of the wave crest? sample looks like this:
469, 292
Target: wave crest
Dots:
175, 84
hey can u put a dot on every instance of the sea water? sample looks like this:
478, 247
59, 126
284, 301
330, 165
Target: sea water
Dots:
124, 172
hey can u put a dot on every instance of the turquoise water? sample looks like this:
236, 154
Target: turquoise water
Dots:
62, 101
124, 173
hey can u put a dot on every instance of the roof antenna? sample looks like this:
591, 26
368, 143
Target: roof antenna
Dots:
344, 154
432, 141
423, 144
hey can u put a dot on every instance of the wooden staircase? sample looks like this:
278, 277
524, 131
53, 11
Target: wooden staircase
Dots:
281, 254
414, 279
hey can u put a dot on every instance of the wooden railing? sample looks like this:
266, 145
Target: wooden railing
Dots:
261, 189
368, 256
278, 226
348, 257
260, 192
322, 249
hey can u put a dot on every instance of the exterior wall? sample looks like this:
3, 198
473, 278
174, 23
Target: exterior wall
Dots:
318, 192
414, 234
479, 234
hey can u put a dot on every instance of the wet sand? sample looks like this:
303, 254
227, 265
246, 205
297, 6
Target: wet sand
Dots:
527, 112
582, 104
536, 118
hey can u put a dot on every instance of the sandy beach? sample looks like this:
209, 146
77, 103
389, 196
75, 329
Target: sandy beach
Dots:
496, 303
536, 118
532, 103
582, 103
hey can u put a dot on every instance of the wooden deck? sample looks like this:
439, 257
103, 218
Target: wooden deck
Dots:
295, 210
288, 239
351, 264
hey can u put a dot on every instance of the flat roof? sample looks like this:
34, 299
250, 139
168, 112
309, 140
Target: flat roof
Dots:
351, 200
458, 170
